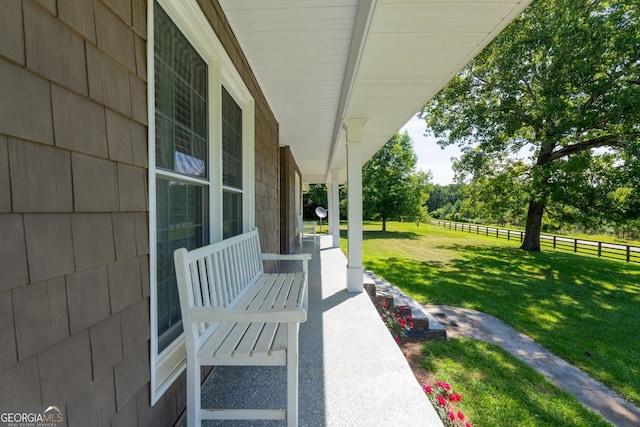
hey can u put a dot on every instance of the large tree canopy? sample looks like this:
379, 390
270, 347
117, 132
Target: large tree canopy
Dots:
553, 103
391, 188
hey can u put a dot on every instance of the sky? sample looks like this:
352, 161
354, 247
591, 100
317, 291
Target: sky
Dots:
430, 155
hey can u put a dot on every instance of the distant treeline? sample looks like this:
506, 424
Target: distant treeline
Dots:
454, 202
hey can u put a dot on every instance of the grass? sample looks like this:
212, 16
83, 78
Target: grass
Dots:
585, 310
500, 390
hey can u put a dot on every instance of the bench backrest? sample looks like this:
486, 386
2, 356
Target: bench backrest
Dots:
215, 276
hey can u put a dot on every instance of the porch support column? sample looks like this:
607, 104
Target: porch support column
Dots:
334, 207
354, 192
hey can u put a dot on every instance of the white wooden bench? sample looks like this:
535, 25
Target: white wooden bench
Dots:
310, 228
234, 313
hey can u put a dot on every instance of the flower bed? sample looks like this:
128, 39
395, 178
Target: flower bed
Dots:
444, 401
398, 324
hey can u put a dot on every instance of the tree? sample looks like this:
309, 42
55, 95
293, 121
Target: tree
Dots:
391, 187
443, 195
560, 88
493, 193
315, 196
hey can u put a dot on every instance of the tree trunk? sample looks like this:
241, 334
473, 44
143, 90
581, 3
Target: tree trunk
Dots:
384, 224
531, 241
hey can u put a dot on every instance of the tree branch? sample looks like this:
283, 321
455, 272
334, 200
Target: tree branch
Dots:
603, 141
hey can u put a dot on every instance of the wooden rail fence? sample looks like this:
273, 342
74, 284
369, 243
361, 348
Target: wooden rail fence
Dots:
617, 251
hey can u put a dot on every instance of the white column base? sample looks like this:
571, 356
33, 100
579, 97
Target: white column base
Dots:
355, 279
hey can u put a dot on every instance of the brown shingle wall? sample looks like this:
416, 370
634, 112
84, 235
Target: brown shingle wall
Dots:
288, 209
74, 288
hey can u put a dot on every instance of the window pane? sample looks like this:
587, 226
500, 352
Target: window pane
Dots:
180, 101
232, 214
180, 222
181, 146
231, 142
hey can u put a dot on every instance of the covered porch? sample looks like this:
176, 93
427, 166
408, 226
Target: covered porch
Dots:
342, 77
352, 373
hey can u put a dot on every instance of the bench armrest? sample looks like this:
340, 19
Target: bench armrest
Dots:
286, 257
210, 314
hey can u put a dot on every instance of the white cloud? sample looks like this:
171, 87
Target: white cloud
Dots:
430, 155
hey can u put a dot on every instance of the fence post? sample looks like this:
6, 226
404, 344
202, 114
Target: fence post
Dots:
487, 230
508, 234
477, 229
628, 253
575, 245
497, 234
554, 242
599, 249
521, 236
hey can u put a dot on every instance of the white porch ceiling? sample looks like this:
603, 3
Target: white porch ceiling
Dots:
321, 61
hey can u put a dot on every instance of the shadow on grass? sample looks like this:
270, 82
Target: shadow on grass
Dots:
385, 235
583, 309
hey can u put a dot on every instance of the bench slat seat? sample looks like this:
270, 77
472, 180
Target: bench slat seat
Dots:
236, 314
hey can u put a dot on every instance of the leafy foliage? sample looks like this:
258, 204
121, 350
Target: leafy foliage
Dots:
551, 108
443, 199
391, 188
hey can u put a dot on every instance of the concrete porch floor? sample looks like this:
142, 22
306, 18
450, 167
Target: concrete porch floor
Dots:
352, 373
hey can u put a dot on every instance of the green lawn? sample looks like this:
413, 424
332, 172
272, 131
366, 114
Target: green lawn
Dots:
585, 310
500, 390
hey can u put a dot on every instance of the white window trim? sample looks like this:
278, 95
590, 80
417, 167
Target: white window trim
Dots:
167, 366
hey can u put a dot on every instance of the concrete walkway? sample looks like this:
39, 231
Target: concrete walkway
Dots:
593, 394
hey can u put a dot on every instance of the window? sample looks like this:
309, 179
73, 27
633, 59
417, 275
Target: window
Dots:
231, 166
200, 148
181, 148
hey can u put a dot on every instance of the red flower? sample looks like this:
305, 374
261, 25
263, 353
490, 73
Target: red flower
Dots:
398, 339
467, 425
408, 316
384, 304
455, 397
461, 416
427, 388
452, 416
411, 325
445, 386
441, 401
396, 315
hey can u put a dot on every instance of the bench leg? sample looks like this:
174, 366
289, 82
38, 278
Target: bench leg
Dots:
194, 401
292, 375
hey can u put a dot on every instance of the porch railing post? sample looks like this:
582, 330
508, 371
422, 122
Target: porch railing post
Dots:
334, 204
355, 279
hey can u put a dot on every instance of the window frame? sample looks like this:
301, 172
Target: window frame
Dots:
166, 366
